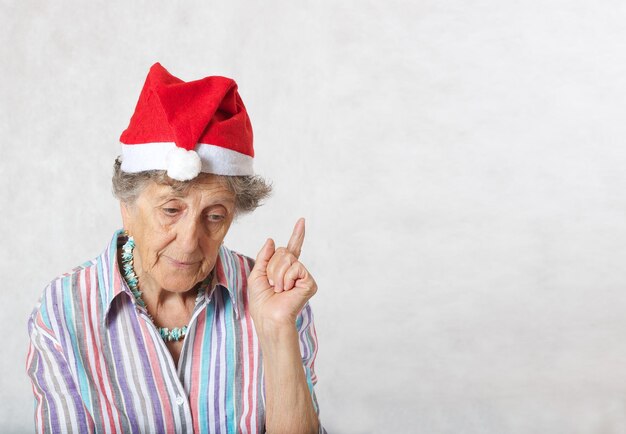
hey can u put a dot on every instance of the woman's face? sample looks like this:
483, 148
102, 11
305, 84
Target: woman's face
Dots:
178, 235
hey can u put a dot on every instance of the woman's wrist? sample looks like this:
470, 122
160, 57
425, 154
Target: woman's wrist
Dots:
273, 330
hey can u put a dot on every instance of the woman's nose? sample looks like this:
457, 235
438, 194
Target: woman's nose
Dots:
189, 236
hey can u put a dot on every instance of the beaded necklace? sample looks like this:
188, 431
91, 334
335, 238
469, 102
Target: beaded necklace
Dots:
175, 334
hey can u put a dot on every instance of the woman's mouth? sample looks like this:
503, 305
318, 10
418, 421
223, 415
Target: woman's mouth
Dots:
181, 264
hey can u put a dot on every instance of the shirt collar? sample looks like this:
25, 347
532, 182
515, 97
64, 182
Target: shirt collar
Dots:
114, 283
226, 275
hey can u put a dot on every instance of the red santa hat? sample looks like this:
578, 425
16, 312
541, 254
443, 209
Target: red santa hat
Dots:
188, 127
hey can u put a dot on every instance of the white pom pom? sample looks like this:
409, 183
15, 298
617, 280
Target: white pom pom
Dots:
183, 165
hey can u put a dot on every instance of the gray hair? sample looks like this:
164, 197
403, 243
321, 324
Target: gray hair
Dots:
250, 191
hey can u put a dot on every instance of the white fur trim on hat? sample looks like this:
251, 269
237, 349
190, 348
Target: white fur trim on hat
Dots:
214, 159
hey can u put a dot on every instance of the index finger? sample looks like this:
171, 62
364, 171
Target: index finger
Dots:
297, 238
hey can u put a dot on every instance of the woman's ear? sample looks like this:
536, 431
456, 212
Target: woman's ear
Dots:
126, 216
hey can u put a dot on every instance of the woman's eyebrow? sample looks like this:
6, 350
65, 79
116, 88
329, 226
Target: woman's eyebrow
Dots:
179, 195
169, 195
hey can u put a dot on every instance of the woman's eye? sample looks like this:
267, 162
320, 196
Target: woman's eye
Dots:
214, 218
170, 211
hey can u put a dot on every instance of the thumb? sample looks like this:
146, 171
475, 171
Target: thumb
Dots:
264, 255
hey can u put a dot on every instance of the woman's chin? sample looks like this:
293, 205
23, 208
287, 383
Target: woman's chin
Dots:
180, 282
175, 275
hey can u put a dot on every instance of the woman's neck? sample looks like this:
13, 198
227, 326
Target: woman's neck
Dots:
167, 308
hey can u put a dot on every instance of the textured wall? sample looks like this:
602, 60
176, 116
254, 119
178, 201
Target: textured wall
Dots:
460, 163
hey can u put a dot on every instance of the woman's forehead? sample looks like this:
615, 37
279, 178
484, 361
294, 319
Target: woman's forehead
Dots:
206, 188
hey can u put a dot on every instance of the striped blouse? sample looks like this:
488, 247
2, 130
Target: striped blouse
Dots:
98, 364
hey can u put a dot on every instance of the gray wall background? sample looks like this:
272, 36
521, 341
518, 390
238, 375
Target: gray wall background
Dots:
460, 164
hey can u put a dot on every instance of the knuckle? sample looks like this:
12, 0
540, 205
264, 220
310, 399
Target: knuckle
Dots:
286, 263
284, 267
274, 264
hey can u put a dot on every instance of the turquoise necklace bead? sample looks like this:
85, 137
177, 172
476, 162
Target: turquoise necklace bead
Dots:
173, 335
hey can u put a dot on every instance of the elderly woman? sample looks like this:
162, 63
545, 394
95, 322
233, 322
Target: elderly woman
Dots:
168, 330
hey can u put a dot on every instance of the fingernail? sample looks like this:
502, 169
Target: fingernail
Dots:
271, 282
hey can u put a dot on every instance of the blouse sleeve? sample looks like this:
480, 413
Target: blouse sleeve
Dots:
308, 350
58, 404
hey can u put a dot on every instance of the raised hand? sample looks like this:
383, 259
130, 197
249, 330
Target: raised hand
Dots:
280, 285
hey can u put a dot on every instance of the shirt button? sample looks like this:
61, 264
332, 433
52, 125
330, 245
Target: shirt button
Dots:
180, 400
